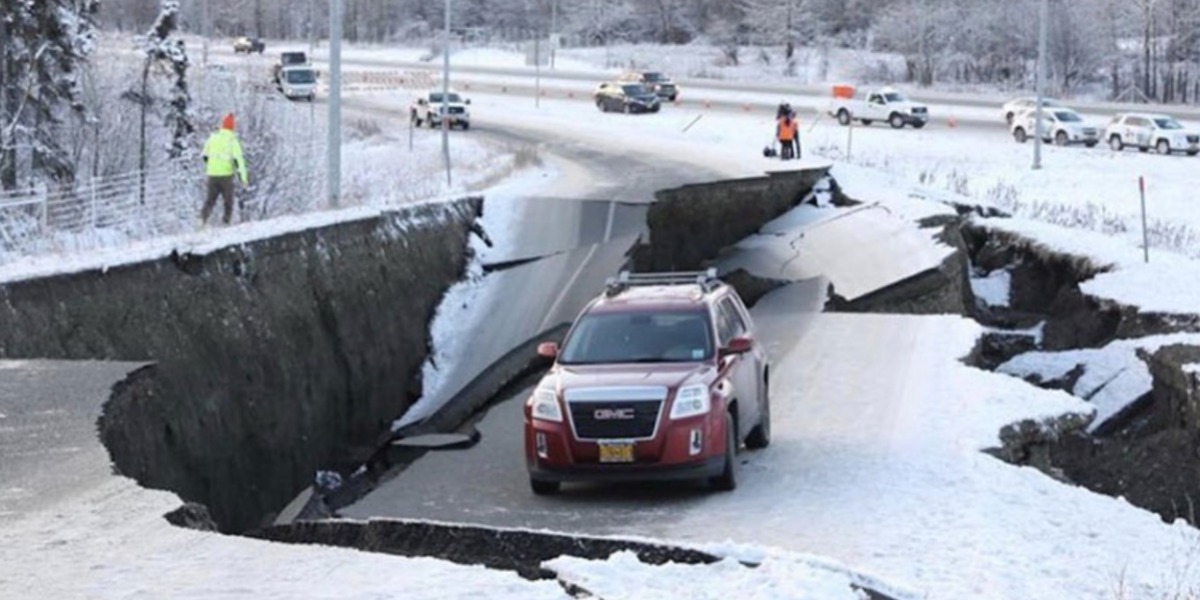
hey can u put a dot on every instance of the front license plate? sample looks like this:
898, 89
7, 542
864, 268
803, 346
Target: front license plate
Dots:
616, 453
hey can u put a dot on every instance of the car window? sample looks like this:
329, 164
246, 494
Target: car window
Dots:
669, 336
1168, 123
736, 322
894, 97
1067, 116
875, 99
634, 90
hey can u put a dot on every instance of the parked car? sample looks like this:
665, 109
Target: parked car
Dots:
248, 45
1147, 130
884, 104
298, 82
660, 378
626, 97
1016, 106
657, 81
1062, 126
428, 110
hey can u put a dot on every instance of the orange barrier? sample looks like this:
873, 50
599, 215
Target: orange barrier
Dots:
843, 91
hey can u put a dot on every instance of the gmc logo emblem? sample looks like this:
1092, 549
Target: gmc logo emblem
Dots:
613, 414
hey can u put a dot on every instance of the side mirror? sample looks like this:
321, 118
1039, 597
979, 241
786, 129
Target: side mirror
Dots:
738, 345
547, 350
467, 101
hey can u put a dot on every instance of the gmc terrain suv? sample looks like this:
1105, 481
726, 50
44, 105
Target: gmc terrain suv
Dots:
661, 377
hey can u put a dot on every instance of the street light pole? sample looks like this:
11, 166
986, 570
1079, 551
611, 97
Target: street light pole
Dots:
553, 31
334, 156
1040, 83
207, 26
446, 95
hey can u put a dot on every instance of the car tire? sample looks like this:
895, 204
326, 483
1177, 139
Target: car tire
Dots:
600, 104
843, 117
727, 480
896, 121
542, 487
1114, 142
1020, 136
466, 125
918, 124
867, 122
1143, 148
1060, 138
628, 109
760, 436
1163, 147
1193, 152
1090, 144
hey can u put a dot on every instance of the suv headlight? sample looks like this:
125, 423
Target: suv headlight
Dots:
690, 400
545, 405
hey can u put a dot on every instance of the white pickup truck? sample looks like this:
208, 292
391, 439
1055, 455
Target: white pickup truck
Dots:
427, 109
298, 82
884, 104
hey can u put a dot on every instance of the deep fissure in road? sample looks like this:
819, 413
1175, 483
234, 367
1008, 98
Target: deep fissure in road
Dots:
1147, 452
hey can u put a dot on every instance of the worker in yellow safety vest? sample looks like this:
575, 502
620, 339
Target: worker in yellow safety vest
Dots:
222, 157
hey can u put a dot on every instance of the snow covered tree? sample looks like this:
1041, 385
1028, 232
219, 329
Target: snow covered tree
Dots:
168, 55
43, 46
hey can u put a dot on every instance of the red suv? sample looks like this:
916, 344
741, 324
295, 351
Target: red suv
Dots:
659, 378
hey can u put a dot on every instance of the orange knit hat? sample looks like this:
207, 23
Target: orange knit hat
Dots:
227, 122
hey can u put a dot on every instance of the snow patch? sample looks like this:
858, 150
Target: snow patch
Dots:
993, 289
1113, 376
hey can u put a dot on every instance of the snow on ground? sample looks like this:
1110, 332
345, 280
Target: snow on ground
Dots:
992, 289
1191, 369
1113, 376
622, 577
114, 543
1169, 283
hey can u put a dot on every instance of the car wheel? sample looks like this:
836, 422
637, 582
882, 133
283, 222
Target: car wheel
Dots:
628, 109
672, 98
544, 488
1115, 143
466, 125
727, 480
1060, 138
1193, 152
601, 105
1143, 148
844, 117
1163, 147
1019, 135
918, 124
896, 121
867, 122
1090, 144
760, 436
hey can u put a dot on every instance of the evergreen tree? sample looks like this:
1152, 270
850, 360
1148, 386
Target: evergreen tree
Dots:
43, 45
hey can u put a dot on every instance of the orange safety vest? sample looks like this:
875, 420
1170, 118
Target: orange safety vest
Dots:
787, 129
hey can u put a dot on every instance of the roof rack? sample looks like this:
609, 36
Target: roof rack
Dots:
707, 280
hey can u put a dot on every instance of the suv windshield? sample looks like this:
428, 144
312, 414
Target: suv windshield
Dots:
1067, 116
635, 90
654, 77
436, 97
1168, 124
639, 337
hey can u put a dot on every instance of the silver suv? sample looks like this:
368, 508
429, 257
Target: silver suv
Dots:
1145, 131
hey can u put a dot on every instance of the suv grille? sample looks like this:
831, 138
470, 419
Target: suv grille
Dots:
1193, 139
604, 420
919, 110
457, 110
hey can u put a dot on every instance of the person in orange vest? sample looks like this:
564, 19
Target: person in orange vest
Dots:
786, 131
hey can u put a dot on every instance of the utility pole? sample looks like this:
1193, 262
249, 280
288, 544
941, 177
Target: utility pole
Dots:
446, 96
334, 157
1040, 83
553, 31
537, 69
207, 27
312, 26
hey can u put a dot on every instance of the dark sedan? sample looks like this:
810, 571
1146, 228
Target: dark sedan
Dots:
627, 98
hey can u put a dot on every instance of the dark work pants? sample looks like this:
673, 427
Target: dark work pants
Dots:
218, 186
